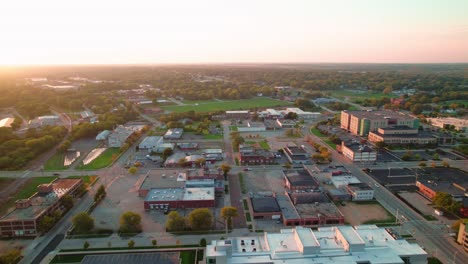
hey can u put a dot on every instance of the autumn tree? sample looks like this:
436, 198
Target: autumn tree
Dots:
226, 169
228, 212
175, 222
100, 193
130, 222
200, 219
83, 223
133, 170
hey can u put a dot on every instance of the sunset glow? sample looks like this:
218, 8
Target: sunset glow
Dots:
107, 32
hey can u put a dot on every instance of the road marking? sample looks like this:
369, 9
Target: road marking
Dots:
26, 174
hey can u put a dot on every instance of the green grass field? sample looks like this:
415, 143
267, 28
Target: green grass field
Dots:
329, 143
102, 161
317, 132
213, 137
28, 189
187, 257
264, 145
211, 106
55, 162
370, 95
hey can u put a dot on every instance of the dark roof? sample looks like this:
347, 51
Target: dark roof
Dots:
359, 186
300, 178
308, 197
354, 146
265, 204
133, 258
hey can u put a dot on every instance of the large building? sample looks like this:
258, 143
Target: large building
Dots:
362, 122
23, 221
252, 156
402, 135
242, 114
301, 179
297, 155
460, 124
448, 180
327, 245
120, 134
42, 121
174, 133
252, 127
302, 114
358, 152
360, 191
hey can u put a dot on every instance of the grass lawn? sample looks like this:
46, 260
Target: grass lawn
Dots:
25, 191
317, 132
264, 145
329, 143
187, 257
68, 259
102, 161
232, 128
211, 106
211, 136
86, 179
56, 162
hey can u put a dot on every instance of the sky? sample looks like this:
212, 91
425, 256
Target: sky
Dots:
253, 31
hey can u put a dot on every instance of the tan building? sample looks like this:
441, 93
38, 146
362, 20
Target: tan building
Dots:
462, 238
357, 152
363, 122
402, 135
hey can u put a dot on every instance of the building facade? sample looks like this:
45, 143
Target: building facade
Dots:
462, 237
402, 135
357, 152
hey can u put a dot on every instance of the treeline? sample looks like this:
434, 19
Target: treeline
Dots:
16, 152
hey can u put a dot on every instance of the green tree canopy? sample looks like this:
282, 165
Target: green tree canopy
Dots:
175, 222
130, 222
200, 219
83, 223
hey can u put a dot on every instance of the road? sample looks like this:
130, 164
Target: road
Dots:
435, 240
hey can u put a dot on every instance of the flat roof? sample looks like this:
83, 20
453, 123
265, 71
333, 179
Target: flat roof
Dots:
350, 234
162, 179
321, 209
295, 150
300, 178
379, 114
238, 112
359, 186
265, 204
140, 258
40, 202
287, 208
355, 147
442, 178
151, 140
181, 194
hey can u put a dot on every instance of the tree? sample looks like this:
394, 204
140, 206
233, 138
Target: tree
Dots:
67, 202
228, 212
226, 169
388, 90
446, 201
166, 153
85, 245
380, 145
422, 164
154, 242
11, 256
100, 193
200, 162
445, 164
45, 224
202, 242
132, 170
83, 223
200, 219
131, 244
130, 222
291, 115
64, 146
175, 222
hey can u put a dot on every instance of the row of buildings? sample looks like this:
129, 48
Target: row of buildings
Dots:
250, 155
272, 114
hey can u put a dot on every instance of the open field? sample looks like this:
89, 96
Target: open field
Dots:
86, 179
213, 137
369, 95
362, 213
25, 191
55, 162
102, 160
211, 106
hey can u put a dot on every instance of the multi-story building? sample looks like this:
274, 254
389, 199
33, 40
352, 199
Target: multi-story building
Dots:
300, 179
360, 191
23, 221
400, 135
326, 245
462, 237
363, 122
302, 114
460, 124
358, 152
256, 157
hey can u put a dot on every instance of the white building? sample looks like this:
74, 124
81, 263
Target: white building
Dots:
103, 135
360, 191
150, 142
302, 114
252, 127
327, 245
358, 153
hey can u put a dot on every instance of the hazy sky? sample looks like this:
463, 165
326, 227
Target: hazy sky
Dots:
199, 31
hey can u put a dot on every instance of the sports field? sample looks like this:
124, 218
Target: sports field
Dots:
212, 106
361, 95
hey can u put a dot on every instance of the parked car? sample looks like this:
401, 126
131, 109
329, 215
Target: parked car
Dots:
247, 169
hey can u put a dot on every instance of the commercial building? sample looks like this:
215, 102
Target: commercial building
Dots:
360, 191
256, 157
174, 133
402, 135
285, 123
252, 127
23, 221
270, 114
103, 135
150, 143
459, 124
119, 136
244, 114
302, 114
265, 207
187, 146
358, 152
308, 209
327, 245
41, 121
158, 198
363, 122
462, 237
297, 155
300, 179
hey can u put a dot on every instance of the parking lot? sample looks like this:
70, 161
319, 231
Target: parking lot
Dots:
418, 202
264, 180
358, 214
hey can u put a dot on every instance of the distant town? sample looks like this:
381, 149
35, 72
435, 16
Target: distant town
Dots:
233, 164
